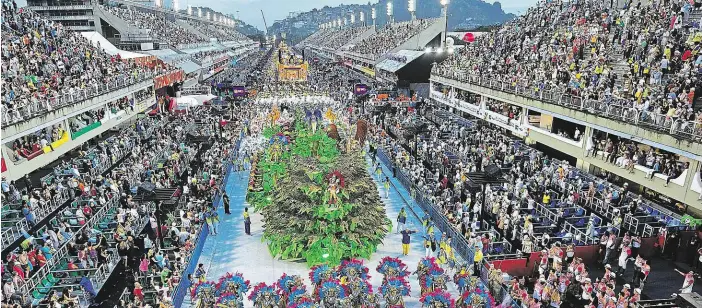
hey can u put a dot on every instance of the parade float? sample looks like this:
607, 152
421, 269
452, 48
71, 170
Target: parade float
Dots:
318, 202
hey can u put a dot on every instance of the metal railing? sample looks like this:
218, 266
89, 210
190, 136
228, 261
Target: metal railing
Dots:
609, 107
41, 211
23, 112
461, 245
62, 251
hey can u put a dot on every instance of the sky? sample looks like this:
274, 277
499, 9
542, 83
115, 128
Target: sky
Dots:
250, 10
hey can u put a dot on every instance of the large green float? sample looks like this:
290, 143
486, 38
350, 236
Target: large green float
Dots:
318, 204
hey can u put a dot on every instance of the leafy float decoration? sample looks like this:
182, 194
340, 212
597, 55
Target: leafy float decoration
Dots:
305, 219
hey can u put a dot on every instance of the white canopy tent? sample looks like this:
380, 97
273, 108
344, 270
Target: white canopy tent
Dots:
96, 38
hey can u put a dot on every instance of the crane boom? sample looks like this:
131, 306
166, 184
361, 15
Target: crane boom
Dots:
264, 22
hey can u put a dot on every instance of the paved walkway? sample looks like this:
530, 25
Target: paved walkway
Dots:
233, 251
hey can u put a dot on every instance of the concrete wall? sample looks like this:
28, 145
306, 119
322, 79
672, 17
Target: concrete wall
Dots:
647, 136
421, 39
17, 130
15, 172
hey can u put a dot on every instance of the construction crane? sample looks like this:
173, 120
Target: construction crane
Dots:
264, 22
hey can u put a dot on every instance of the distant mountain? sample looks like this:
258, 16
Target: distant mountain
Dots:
463, 14
241, 26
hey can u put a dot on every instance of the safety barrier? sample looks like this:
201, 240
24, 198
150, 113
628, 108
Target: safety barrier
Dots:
181, 290
459, 241
23, 112
85, 130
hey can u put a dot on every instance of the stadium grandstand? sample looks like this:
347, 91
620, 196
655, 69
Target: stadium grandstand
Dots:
156, 156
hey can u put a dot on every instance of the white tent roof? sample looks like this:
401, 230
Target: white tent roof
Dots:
110, 49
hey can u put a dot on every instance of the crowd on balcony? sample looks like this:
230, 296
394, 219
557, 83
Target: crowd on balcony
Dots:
391, 36
212, 30
161, 28
627, 154
208, 55
319, 37
44, 64
532, 180
25, 146
340, 38
641, 56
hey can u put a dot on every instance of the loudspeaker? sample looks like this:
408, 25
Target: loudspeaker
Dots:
492, 171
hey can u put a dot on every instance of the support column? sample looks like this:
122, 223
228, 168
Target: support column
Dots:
586, 138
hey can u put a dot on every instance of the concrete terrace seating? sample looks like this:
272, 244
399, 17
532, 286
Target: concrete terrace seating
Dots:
390, 37
46, 67
161, 29
550, 54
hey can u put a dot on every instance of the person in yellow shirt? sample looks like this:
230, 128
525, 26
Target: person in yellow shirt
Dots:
547, 198
477, 261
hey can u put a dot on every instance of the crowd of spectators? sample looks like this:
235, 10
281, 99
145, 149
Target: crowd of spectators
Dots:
86, 248
560, 276
643, 56
627, 154
317, 38
24, 146
340, 38
44, 64
212, 55
391, 36
161, 28
221, 32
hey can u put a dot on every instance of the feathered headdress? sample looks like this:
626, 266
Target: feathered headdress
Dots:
440, 296
332, 284
286, 283
485, 297
394, 264
305, 302
361, 269
317, 273
261, 289
297, 294
433, 274
462, 280
227, 299
395, 283
232, 280
204, 286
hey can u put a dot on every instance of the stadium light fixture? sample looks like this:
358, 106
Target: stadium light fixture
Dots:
176, 6
389, 6
362, 16
190, 10
444, 2
353, 19
412, 8
373, 16
338, 22
199, 12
